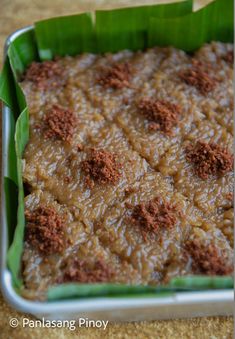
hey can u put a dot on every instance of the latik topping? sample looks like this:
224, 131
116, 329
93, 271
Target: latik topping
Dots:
60, 123
44, 75
163, 115
229, 57
117, 76
102, 167
229, 196
199, 77
153, 215
206, 259
80, 147
83, 272
209, 159
45, 230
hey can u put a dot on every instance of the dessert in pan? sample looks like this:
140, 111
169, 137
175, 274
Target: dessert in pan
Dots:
129, 167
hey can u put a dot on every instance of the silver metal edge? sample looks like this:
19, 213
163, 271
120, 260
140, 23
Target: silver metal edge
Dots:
13, 36
105, 304
199, 298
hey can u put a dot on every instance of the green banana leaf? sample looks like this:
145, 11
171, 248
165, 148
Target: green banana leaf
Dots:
69, 291
201, 282
7, 89
16, 248
216, 23
128, 27
102, 31
20, 54
69, 35
188, 283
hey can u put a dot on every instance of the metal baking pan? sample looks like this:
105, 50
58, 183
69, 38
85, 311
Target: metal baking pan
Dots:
176, 305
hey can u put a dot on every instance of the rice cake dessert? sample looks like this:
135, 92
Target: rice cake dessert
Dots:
129, 167
154, 251
60, 173
47, 263
213, 193
112, 81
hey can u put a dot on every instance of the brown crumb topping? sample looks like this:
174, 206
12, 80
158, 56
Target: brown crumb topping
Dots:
129, 190
199, 77
229, 57
81, 271
209, 159
126, 101
207, 260
163, 115
60, 123
68, 179
44, 74
101, 167
45, 230
153, 215
80, 147
229, 196
230, 200
117, 76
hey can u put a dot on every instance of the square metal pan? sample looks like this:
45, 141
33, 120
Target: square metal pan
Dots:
178, 305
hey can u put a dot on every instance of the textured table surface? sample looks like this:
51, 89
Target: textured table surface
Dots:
16, 14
